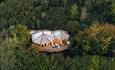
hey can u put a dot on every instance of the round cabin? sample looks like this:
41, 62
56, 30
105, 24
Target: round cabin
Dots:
50, 41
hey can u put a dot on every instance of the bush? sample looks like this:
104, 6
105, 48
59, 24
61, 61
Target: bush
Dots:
94, 39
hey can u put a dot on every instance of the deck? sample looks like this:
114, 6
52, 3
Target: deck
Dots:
49, 49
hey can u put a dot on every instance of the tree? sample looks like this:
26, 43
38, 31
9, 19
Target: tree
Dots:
98, 9
7, 54
21, 32
94, 65
74, 11
14, 12
95, 39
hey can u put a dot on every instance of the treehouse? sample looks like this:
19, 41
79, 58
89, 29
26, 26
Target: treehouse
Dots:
50, 41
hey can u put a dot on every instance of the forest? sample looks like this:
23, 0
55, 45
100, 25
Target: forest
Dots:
90, 23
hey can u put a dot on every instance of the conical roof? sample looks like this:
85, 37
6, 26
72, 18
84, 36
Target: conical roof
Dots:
42, 37
45, 36
62, 35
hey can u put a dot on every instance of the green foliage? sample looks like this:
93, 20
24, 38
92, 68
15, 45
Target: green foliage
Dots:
94, 65
65, 2
15, 57
113, 7
14, 11
72, 27
95, 39
21, 32
74, 16
74, 11
113, 12
11, 51
98, 9
45, 4
8, 57
52, 20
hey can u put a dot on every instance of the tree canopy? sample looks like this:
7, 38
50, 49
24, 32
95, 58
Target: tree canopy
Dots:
90, 23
